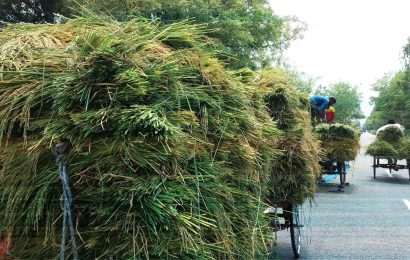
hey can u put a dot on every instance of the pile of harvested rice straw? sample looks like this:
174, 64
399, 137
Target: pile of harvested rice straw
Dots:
172, 155
390, 143
294, 174
338, 141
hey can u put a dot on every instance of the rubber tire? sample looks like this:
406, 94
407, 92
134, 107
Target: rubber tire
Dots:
341, 168
296, 230
390, 162
408, 166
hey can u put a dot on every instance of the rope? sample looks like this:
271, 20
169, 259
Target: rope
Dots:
58, 151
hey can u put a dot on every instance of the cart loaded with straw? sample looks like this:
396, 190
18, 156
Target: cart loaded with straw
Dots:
340, 144
294, 173
389, 148
171, 154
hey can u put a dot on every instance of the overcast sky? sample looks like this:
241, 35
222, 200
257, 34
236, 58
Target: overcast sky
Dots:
355, 41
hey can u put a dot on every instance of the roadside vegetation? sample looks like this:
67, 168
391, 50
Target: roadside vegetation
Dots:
393, 99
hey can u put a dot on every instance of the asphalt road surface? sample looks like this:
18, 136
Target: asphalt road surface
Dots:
369, 220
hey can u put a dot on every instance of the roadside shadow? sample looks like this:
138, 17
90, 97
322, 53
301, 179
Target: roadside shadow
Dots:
335, 187
392, 180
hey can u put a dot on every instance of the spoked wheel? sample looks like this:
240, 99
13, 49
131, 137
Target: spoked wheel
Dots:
296, 229
341, 168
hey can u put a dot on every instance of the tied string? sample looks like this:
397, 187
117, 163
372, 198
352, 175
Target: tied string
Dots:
59, 151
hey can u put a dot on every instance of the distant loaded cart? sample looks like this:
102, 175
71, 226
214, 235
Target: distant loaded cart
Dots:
340, 144
390, 147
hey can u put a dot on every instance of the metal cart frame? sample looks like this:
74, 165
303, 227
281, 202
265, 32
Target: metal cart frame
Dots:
391, 164
335, 167
292, 214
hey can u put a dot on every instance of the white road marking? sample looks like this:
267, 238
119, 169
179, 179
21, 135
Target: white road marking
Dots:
407, 203
388, 173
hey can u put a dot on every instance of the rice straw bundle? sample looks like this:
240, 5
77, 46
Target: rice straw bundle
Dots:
390, 134
293, 175
171, 156
382, 149
404, 150
390, 143
339, 142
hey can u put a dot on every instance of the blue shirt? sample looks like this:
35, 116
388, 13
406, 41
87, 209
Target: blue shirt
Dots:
320, 102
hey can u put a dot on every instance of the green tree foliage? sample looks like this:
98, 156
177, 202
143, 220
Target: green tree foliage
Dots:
250, 33
379, 117
300, 80
393, 100
348, 101
31, 11
249, 30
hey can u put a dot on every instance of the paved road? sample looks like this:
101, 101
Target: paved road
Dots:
370, 220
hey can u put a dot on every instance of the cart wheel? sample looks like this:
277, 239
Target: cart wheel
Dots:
374, 167
408, 166
390, 162
341, 168
343, 174
296, 229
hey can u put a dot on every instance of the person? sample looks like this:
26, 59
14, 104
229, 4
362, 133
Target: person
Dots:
318, 104
391, 122
330, 114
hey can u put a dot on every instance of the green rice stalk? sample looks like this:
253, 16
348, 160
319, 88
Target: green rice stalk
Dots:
390, 134
338, 141
294, 174
171, 155
382, 148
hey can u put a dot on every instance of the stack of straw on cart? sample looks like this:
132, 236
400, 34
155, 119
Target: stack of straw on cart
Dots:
339, 142
390, 143
294, 174
172, 155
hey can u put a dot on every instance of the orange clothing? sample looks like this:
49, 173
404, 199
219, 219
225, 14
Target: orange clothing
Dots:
330, 114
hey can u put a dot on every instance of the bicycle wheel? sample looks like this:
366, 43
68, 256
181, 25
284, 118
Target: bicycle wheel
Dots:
296, 229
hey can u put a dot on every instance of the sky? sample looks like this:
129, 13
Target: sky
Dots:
355, 41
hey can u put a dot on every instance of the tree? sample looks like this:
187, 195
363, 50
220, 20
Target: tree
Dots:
300, 80
378, 116
250, 33
348, 101
31, 11
393, 100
